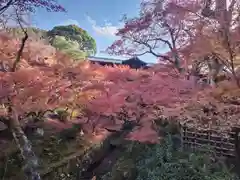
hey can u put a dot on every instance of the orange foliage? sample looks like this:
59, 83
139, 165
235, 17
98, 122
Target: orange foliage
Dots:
106, 95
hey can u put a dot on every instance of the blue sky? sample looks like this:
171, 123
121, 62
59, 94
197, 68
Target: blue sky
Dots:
100, 18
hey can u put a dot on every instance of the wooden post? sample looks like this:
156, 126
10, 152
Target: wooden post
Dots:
181, 137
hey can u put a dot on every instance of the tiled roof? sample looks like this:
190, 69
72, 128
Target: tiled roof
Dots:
111, 60
101, 59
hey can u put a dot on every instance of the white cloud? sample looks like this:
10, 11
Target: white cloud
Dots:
69, 22
107, 30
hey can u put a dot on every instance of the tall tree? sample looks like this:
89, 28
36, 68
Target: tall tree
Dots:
20, 7
188, 24
155, 28
77, 34
216, 34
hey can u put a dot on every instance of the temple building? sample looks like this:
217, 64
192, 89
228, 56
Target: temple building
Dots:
134, 62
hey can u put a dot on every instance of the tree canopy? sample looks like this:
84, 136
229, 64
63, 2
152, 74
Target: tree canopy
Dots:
71, 48
197, 28
73, 33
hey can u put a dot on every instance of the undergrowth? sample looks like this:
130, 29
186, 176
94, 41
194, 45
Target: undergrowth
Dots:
163, 162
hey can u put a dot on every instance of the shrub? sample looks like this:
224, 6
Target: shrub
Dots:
162, 162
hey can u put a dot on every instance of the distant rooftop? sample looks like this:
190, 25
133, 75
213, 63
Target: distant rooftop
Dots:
111, 60
103, 59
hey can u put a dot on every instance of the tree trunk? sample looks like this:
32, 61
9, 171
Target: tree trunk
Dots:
177, 62
30, 160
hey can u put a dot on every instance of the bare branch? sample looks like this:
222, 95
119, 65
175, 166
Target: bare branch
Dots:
5, 7
24, 39
150, 49
139, 54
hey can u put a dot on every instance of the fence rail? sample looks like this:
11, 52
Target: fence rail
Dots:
211, 141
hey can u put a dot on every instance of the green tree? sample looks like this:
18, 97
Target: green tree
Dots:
72, 48
74, 33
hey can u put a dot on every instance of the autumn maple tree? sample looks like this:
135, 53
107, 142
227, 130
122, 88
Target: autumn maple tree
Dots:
205, 35
15, 82
159, 26
214, 36
138, 96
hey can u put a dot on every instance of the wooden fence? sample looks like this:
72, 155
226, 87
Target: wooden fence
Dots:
211, 140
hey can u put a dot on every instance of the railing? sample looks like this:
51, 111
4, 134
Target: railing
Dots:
211, 141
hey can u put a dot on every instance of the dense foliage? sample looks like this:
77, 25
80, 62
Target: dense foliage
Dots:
71, 48
74, 34
107, 97
162, 162
165, 162
90, 86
